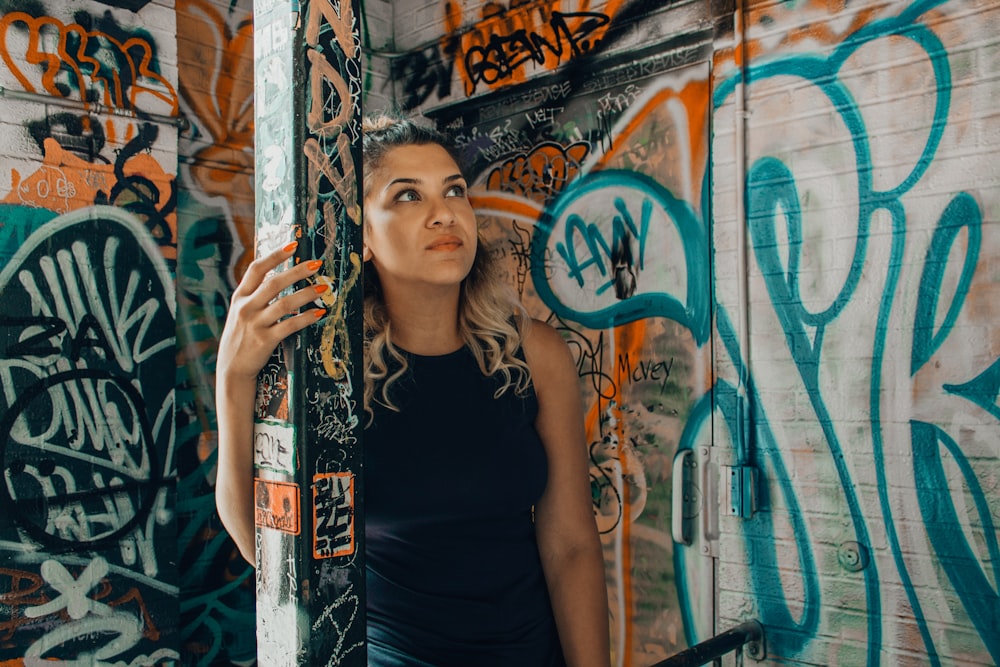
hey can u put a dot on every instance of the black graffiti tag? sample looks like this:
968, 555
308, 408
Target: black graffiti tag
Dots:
333, 515
503, 55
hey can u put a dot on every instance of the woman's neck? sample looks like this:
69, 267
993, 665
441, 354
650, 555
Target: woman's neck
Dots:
425, 323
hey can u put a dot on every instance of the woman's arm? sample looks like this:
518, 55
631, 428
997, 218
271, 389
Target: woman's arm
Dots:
254, 327
564, 518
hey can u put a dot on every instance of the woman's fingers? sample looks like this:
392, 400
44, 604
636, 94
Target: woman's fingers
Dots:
249, 337
295, 323
279, 281
260, 316
261, 266
292, 303
257, 290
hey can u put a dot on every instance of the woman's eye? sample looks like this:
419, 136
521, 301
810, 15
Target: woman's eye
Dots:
407, 195
456, 191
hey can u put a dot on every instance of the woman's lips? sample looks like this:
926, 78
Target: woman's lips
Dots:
446, 243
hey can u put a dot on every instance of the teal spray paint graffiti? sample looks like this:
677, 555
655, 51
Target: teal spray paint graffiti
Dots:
567, 216
772, 192
774, 196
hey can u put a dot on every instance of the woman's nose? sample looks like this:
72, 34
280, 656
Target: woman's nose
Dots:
442, 214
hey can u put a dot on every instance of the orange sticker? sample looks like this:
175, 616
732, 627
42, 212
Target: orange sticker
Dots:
276, 506
333, 514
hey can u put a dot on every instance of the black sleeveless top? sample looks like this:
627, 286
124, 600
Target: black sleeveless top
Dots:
454, 576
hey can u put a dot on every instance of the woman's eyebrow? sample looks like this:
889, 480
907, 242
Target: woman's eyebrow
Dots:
405, 181
417, 181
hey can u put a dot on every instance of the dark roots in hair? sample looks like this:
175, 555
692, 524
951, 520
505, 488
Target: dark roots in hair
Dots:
383, 132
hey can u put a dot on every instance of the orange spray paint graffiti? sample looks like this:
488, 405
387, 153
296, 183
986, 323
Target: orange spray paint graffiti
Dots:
506, 43
65, 182
666, 137
331, 168
215, 85
540, 174
98, 69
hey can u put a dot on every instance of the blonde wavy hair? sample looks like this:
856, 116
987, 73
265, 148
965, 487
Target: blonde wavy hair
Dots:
491, 318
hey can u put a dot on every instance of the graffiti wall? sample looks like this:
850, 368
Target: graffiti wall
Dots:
215, 218
589, 171
769, 237
869, 372
768, 232
88, 250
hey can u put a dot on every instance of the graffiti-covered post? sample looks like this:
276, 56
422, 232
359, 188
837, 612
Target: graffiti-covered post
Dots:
307, 455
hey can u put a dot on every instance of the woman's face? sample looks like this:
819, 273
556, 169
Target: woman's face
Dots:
420, 228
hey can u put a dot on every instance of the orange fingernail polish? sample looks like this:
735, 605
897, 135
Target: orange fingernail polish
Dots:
321, 288
314, 264
291, 246
319, 312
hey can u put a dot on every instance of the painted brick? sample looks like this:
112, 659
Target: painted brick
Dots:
891, 86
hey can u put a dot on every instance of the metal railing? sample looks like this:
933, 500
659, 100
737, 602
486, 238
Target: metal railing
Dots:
749, 634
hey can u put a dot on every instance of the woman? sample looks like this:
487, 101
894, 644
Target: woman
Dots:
481, 543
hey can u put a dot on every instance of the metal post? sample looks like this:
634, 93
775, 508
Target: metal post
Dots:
307, 432
749, 634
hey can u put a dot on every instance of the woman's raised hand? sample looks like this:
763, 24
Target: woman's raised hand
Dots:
259, 318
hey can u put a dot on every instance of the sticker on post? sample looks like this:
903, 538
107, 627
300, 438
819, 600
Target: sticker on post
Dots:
276, 506
333, 514
274, 446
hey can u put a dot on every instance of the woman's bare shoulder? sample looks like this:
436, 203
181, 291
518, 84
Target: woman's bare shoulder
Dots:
541, 336
546, 352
